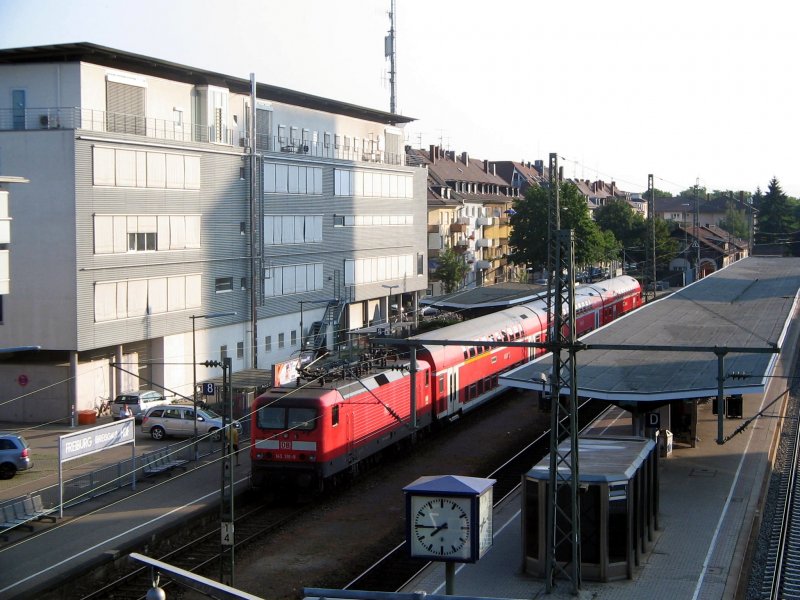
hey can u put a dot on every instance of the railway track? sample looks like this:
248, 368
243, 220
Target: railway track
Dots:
201, 553
780, 566
393, 570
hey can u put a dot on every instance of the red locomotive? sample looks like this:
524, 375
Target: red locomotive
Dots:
320, 431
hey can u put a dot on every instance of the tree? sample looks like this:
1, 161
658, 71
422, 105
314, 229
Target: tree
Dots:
530, 223
633, 231
735, 222
658, 194
775, 215
451, 270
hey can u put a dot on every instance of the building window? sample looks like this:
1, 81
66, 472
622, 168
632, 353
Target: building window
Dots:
268, 344
293, 279
281, 340
243, 283
239, 349
327, 139
420, 264
293, 337
223, 284
292, 229
335, 415
142, 242
223, 353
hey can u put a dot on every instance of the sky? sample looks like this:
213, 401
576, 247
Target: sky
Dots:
691, 91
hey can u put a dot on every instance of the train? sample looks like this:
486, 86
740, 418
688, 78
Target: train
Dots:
316, 433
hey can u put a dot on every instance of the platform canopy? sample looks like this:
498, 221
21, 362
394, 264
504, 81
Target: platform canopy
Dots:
749, 304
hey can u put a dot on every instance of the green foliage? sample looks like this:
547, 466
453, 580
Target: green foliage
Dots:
735, 222
776, 216
658, 194
451, 270
530, 225
633, 233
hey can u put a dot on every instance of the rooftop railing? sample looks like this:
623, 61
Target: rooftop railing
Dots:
36, 119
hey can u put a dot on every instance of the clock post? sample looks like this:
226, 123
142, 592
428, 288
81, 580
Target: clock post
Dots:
449, 519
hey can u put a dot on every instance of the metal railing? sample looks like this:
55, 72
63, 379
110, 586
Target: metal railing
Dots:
37, 119
114, 476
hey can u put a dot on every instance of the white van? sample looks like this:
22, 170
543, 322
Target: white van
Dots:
138, 401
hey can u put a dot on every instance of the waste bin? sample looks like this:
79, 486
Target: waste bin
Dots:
665, 443
733, 406
545, 402
87, 417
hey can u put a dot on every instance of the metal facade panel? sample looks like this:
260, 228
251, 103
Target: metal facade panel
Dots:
221, 200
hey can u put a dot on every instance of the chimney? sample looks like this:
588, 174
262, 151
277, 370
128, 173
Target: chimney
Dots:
485, 165
465, 158
494, 168
539, 166
450, 154
433, 154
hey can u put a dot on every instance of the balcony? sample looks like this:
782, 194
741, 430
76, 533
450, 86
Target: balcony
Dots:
484, 221
484, 243
462, 242
458, 227
483, 265
87, 119
433, 229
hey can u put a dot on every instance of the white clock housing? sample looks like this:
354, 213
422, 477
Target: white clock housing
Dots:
449, 518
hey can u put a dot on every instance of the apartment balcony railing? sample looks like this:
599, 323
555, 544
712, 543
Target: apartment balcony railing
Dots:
161, 129
433, 229
484, 221
484, 243
458, 227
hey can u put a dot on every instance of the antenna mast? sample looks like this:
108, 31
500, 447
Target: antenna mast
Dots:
390, 52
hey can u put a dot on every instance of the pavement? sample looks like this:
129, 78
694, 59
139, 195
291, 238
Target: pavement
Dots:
109, 525
710, 502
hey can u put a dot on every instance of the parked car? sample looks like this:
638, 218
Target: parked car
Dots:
429, 311
138, 401
14, 455
178, 420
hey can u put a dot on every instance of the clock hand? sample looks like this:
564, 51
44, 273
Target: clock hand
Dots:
438, 529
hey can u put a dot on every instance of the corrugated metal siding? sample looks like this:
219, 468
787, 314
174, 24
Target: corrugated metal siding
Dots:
222, 203
339, 243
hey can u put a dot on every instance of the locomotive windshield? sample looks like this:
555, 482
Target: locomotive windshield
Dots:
279, 417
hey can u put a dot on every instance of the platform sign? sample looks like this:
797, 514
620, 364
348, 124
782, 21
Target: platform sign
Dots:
227, 533
89, 441
652, 420
95, 439
208, 389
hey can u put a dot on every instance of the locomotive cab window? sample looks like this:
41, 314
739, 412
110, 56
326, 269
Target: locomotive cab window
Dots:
270, 417
335, 415
302, 418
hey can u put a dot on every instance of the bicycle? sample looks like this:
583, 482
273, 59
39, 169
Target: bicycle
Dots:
104, 408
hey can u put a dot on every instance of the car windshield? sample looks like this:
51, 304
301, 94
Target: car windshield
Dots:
208, 414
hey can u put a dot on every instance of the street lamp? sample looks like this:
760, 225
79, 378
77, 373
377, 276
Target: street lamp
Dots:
194, 367
388, 303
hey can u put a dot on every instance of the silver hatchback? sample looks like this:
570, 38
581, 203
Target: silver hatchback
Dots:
178, 420
14, 455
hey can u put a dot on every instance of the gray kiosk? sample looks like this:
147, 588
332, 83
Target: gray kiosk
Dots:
618, 506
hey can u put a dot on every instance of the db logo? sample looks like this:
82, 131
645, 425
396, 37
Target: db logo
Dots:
286, 445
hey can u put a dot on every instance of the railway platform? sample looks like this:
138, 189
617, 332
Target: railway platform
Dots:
710, 500
90, 532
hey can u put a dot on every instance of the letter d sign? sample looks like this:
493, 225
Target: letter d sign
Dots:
653, 420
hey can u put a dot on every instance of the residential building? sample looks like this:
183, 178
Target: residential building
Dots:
160, 192
468, 204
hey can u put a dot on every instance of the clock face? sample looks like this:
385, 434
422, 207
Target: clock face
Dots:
440, 527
